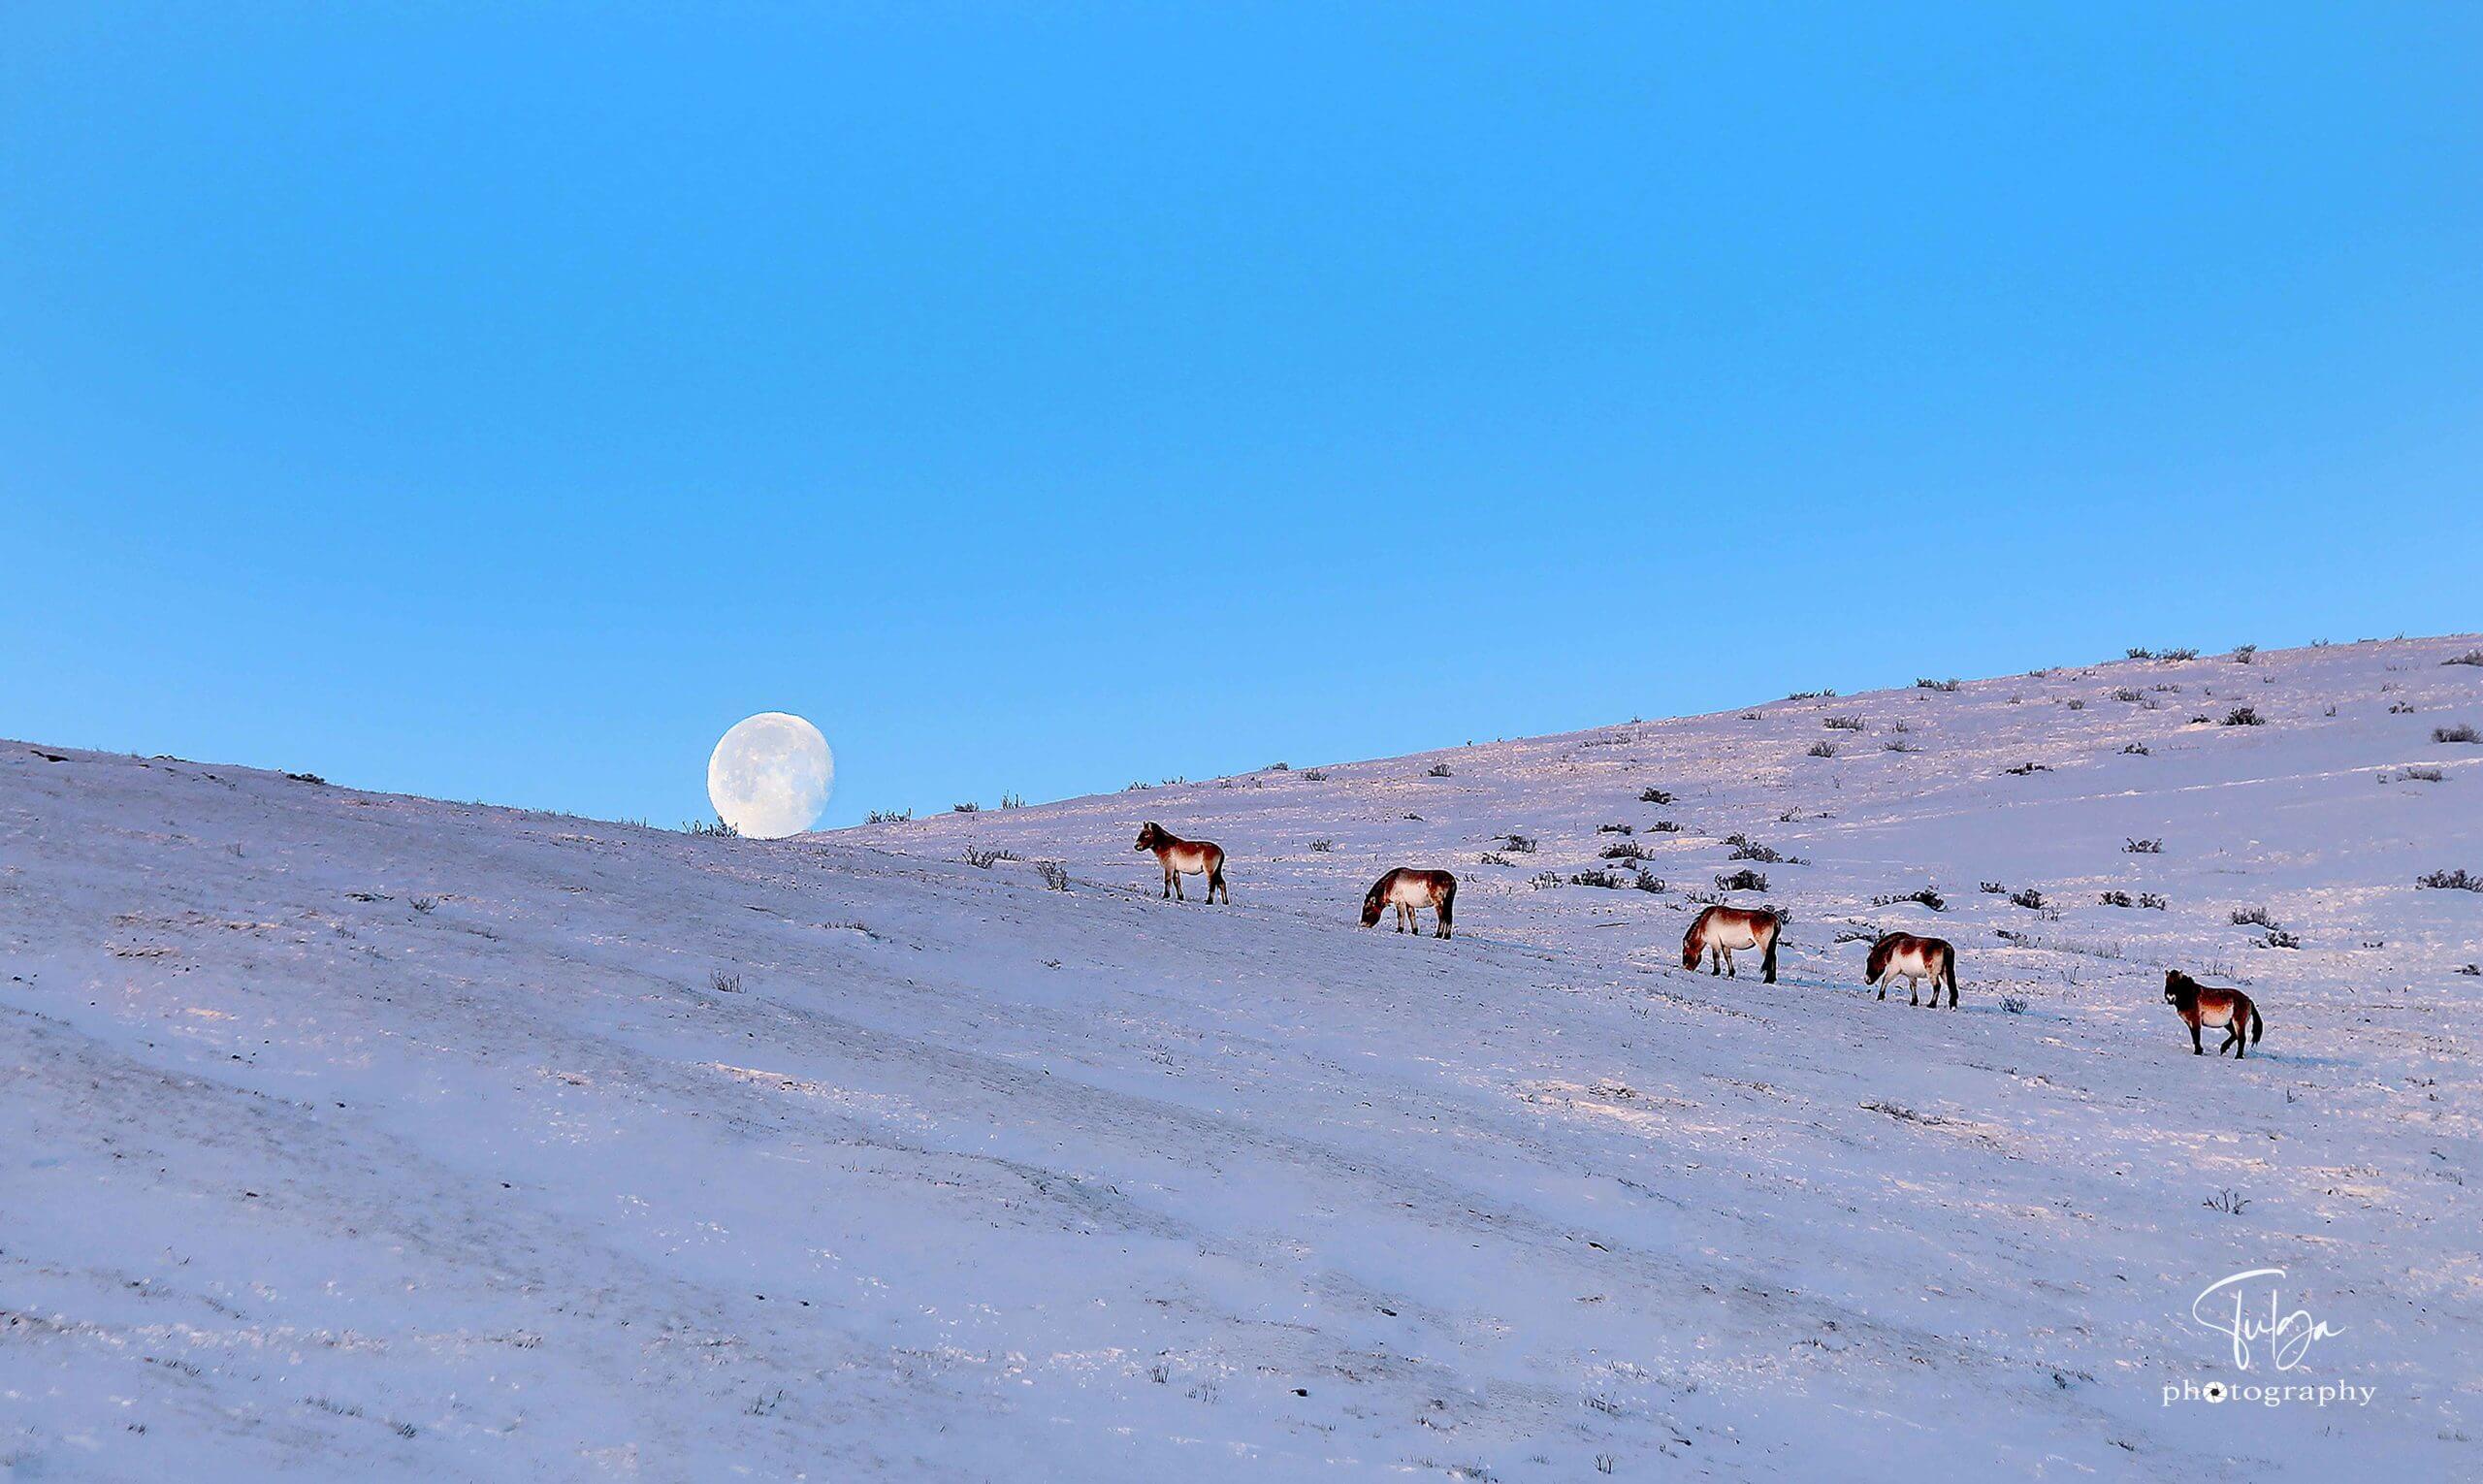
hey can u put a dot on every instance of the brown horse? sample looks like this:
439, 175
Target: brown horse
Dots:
1916, 960
1185, 858
1720, 932
1406, 889
2229, 1010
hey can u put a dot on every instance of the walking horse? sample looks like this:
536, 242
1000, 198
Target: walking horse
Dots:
1181, 857
2229, 1010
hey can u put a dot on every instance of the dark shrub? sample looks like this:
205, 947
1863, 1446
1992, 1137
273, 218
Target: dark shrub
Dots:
1926, 896
1747, 849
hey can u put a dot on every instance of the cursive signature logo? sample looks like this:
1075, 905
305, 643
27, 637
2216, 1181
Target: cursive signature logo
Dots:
2288, 1334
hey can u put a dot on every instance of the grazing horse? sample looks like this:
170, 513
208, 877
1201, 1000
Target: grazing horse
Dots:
1720, 932
1180, 857
2229, 1010
1916, 960
1408, 889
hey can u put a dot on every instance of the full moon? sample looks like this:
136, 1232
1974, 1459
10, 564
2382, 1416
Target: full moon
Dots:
771, 775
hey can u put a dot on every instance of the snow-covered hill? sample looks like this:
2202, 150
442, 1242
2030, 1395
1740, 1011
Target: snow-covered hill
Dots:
352, 1135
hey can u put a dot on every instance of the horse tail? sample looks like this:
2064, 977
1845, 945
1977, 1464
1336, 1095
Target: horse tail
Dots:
2258, 1023
1767, 965
1447, 908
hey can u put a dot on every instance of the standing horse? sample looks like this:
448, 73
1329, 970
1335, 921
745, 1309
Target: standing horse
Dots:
2229, 1010
1720, 932
1185, 858
1406, 889
1916, 960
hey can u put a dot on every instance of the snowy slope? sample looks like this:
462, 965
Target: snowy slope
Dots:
358, 1135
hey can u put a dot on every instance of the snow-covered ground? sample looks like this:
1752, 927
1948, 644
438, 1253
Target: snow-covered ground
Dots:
349, 1135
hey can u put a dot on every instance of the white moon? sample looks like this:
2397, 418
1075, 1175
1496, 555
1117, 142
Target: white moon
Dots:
771, 775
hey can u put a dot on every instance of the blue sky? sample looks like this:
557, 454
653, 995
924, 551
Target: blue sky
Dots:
499, 402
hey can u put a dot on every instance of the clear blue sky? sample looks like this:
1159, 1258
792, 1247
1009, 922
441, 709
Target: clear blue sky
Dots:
499, 402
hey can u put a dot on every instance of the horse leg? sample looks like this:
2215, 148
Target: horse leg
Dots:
1913, 994
1439, 909
2195, 1049
1178, 893
1731, 972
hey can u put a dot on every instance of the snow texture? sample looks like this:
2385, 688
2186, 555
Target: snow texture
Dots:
349, 1135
